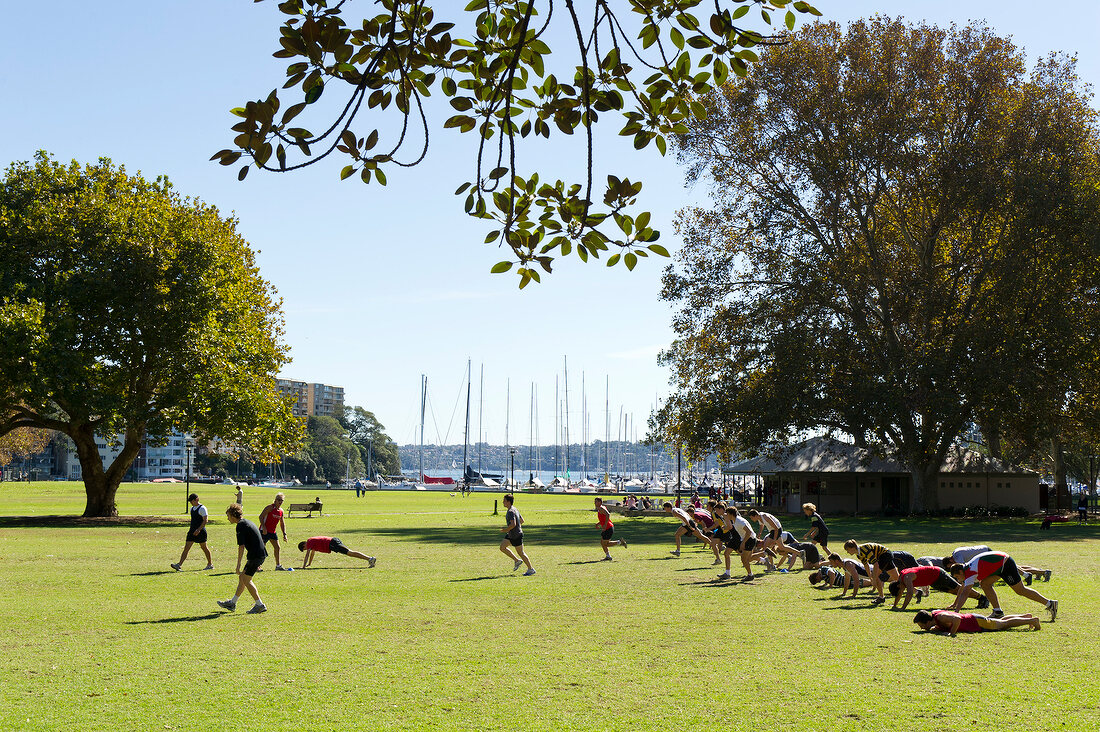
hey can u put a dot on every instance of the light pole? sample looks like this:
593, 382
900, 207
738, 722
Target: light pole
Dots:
187, 477
512, 483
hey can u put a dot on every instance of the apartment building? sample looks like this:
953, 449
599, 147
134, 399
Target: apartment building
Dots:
313, 400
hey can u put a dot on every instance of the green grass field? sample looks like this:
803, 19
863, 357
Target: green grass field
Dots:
100, 634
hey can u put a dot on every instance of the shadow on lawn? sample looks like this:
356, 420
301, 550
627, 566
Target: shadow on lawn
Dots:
635, 531
80, 522
480, 579
188, 619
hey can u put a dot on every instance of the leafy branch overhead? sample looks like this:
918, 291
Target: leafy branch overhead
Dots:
647, 60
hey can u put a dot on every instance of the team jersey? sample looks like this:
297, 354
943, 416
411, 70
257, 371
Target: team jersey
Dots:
969, 623
744, 528
816, 522
922, 576
682, 515
604, 519
770, 521
513, 519
964, 554
983, 566
703, 517
319, 544
271, 522
870, 552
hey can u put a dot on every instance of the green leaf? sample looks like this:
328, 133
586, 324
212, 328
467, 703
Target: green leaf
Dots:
658, 249
315, 92
631, 260
347, 172
501, 267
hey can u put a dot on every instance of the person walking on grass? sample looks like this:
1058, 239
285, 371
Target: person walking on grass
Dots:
819, 532
328, 545
250, 547
950, 622
513, 535
271, 518
603, 516
687, 526
985, 570
196, 533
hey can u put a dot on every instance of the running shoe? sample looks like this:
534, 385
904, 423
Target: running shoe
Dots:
372, 560
280, 568
258, 608
724, 575
1052, 607
997, 613
716, 562
878, 601
529, 572
1046, 575
675, 552
606, 559
1027, 579
176, 567
983, 602
750, 577
209, 566
622, 543
229, 605
517, 565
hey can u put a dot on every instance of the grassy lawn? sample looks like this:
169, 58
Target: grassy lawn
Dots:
100, 634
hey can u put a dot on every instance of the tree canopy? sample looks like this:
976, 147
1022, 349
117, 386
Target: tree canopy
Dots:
129, 310
645, 60
903, 238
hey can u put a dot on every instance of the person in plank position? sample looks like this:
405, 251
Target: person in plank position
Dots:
950, 622
921, 580
326, 545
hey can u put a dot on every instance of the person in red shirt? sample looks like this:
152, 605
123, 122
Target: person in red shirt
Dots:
984, 570
947, 621
271, 518
327, 545
603, 516
913, 579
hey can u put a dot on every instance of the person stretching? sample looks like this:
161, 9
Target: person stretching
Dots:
603, 516
687, 526
326, 545
986, 569
947, 621
913, 579
878, 561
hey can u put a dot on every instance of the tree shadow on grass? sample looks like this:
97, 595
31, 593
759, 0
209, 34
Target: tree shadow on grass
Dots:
634, 531
81, 522
187, 619
958, 531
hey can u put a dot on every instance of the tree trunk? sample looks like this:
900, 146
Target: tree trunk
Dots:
100, 486
1061, 488
925, 495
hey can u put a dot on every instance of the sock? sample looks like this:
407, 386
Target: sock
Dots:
235, 598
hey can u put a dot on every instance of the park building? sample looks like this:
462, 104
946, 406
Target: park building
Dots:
841, 478
313, 400
58, 460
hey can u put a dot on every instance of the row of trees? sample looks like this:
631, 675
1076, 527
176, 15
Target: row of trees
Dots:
903, 240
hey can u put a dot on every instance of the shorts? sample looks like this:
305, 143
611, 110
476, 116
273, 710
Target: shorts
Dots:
822, 538
336, 546
1010, 573
903, 560
748, 544
885, 562
200, 539
727, 537
812, 554
269, 537
689, 527
945, 583
775, 533
251, 565
515, 540
607, 534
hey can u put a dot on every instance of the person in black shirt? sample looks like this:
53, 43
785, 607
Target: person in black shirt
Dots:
513, 535
250, 541
196, 533
819, 532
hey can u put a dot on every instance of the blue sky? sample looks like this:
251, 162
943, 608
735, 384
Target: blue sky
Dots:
382, 284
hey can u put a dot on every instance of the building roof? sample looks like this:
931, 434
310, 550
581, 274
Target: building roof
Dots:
828, 455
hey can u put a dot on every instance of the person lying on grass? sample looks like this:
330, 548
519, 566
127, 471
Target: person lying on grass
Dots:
947, 621
325, 545
921, 580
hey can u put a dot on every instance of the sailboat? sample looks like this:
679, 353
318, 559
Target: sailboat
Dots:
427, 482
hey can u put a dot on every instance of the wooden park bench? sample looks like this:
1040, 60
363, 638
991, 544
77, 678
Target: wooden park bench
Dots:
311, 507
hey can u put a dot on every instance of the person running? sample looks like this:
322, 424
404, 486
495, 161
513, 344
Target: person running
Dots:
855, 575
603, 516
196, 533
513, 536
271, 518
913, 579
878, 561
950, 622
327, 545
985, 570
704, 519
819, 532
687, 526
250, 541
743, 542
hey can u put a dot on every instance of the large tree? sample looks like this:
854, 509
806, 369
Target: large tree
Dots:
370, 436
646, 60
128, 311
897, 214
